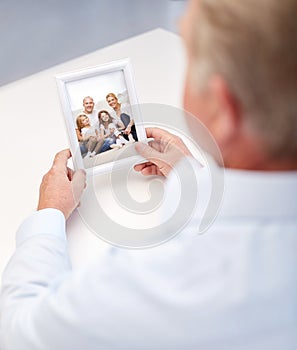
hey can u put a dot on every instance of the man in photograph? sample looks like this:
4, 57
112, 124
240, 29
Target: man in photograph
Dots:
90, 112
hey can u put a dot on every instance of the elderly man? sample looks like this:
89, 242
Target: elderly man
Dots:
233, 287
90, 112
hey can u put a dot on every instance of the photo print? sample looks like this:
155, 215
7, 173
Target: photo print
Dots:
102, 116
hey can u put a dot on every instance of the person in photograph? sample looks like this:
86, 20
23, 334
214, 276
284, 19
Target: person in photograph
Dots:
233, 287
83, 145
90, 111
105, 119
88, 135
123, 113
117, 136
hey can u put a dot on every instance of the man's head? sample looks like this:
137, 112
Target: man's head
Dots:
88, 104
242, 75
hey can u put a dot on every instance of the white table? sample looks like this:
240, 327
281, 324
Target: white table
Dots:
35, 129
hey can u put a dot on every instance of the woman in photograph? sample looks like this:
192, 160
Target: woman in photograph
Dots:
88, 136
123, 114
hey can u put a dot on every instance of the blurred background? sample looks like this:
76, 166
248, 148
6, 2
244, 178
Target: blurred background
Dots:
38, 34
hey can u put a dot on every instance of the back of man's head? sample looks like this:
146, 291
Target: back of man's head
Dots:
253, 45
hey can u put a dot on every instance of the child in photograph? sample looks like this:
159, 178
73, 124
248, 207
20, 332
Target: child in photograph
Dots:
105, 120
88, 135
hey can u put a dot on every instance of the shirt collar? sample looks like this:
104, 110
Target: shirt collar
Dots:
259, 194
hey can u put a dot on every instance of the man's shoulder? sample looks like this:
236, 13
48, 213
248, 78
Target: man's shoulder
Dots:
95, 112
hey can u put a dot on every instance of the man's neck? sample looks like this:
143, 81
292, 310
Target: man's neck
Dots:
262, 164
248, 152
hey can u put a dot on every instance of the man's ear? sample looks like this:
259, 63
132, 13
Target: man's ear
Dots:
226, 116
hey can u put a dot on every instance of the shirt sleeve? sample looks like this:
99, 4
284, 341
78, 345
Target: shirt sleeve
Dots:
46, 305
39, 261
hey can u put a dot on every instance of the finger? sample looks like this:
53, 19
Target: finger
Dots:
148, 152
157, 145
61, 159
139, 167
165, 138
147, 168
151, 170
70, 173
158, 133
78, 183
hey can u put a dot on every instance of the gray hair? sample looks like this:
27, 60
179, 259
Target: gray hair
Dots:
253, 45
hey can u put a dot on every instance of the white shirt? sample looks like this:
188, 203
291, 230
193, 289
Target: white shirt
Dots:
93, 118
86, 132
233, 287
125, 108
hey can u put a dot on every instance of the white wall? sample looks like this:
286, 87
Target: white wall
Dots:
37, 34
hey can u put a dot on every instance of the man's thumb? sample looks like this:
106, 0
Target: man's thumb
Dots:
148, 152
78, 183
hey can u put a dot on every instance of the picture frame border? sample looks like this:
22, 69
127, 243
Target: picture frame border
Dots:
89, 72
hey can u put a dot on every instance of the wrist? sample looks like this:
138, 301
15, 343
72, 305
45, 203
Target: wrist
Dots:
47, 221
54, 206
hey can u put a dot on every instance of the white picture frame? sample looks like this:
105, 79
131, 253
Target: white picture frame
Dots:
77, 89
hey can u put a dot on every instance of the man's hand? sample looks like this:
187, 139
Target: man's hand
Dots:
61, 188
163, 153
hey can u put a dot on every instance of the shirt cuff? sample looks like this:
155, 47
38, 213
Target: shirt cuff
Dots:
43, 222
